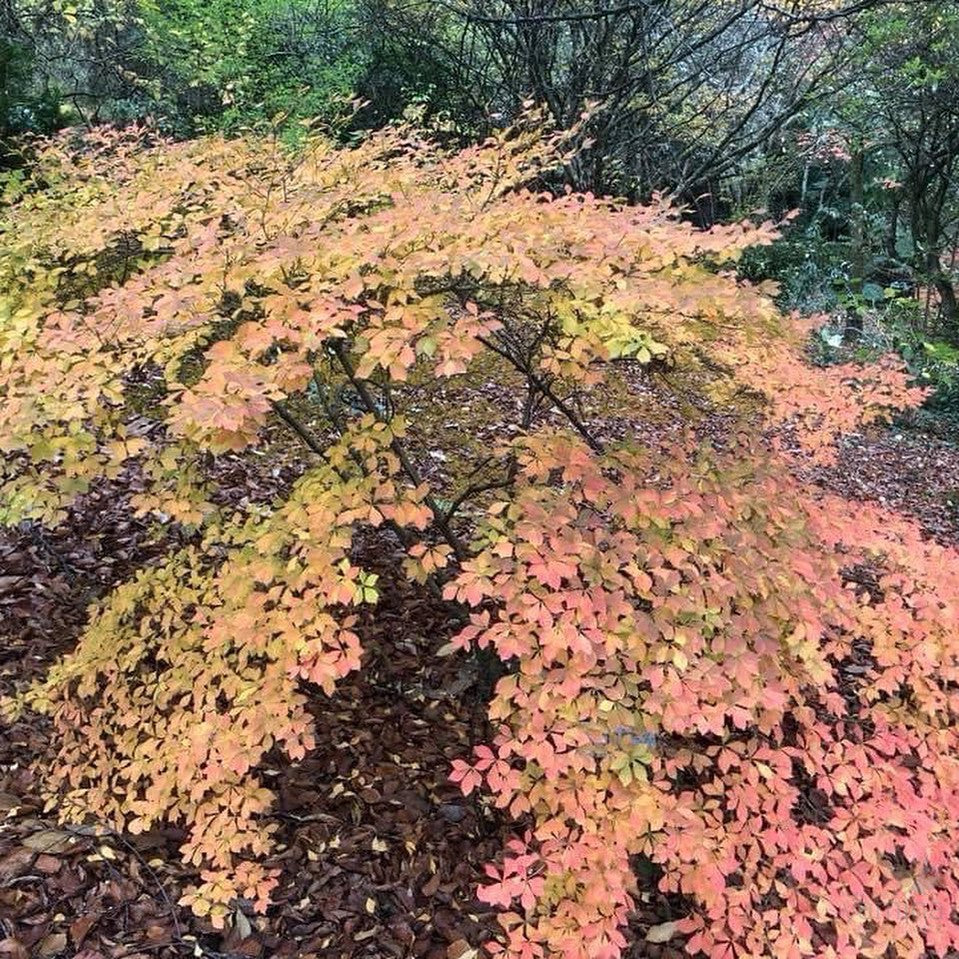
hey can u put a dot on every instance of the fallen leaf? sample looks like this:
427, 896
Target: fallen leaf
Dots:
452, 812
14, 863
50, 841
461, 949
48, 865
241, 925
52, 945
662, 933
80, 929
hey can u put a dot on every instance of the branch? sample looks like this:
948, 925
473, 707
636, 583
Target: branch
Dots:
518, 21
301, 431
459, 550
594, 444
475, 489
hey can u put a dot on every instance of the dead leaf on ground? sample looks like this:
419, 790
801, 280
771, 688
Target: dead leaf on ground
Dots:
662, 933
80, 929
52, 945
17, 861
461, 949
48, 865
50, 841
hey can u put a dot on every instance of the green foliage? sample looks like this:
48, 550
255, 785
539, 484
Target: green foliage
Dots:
21, 110
932, 362
895, 323
230, 64
808, 269
220, 66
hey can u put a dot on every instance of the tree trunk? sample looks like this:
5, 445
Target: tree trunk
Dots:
948, 307
857, 266
935, 277
892, 228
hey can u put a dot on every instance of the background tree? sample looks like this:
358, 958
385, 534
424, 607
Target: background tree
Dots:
910, 54
681, 91
873, 178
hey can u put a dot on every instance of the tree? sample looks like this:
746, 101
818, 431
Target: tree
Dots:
910, 53
706, 663
80, 54
684, 94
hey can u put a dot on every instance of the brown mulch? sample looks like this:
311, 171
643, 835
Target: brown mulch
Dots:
911, 472
381, 855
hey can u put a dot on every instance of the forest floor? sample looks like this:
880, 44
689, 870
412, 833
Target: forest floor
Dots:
380, 854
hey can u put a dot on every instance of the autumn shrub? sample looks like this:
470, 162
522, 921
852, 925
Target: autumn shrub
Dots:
707, 663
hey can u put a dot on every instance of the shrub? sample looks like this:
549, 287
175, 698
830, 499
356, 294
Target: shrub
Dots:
747, 681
